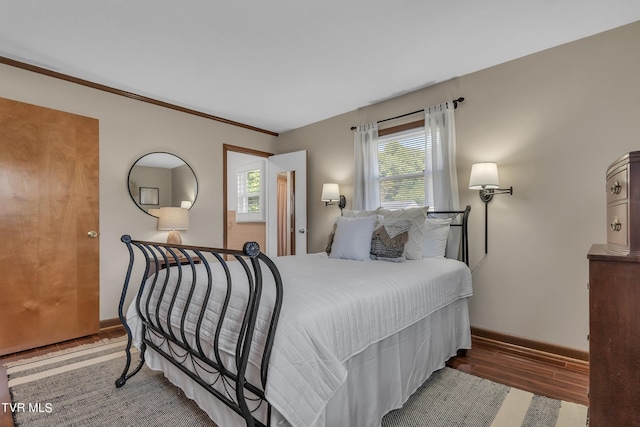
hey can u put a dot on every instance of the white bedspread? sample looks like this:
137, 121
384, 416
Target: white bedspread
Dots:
334, 309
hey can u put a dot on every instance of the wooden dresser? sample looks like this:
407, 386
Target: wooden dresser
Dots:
614, 303
623, 204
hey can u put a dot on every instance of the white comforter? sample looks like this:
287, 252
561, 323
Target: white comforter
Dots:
332, 309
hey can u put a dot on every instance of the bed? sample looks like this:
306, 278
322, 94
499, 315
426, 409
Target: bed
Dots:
309, 340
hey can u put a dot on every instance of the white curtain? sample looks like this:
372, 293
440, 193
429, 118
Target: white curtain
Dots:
440, 135
366, 187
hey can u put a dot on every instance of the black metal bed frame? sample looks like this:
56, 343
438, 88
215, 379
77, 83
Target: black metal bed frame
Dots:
459, 219
238, 393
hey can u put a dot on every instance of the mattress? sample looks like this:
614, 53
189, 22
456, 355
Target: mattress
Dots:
333, 310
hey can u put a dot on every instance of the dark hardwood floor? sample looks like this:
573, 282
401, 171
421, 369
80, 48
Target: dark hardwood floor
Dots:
541, 373
538, 372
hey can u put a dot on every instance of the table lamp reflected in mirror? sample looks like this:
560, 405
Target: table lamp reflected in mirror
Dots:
173, 220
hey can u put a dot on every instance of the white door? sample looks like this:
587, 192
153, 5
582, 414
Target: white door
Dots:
295, 164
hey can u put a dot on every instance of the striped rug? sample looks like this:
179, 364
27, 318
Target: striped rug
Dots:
76, 388
453, 398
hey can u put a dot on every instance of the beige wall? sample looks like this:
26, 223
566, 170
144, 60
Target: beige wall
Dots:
129, 129
182, 185
553, 121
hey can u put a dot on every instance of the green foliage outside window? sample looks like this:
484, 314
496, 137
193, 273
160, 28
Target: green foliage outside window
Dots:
253, 191
401, 168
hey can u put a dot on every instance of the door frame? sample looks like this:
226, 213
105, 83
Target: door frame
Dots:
225, 150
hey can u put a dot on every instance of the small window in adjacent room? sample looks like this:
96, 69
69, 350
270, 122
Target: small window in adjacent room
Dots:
250, 193
404, 180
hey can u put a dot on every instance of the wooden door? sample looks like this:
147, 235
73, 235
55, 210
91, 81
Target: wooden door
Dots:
49, 263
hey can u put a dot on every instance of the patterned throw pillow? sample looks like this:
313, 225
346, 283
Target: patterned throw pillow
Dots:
389, 239
327, 249
413, 248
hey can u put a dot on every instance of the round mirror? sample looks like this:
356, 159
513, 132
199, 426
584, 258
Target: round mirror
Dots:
158, 180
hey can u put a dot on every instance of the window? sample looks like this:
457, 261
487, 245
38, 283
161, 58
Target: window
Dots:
250, 193
404, 179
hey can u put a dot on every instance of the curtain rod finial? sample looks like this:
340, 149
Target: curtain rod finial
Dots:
455, 102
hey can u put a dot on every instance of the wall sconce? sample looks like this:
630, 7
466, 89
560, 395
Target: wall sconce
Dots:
484, 177
331, 195
186, 204
173, 219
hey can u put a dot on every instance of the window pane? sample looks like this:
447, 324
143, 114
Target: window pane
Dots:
401, 156
250, 205
253, 181
249, 191
401, 161
253, 204
402, 193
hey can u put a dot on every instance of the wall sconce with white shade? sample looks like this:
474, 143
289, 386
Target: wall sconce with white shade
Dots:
484, 177
173, 220
331, 195
186, 204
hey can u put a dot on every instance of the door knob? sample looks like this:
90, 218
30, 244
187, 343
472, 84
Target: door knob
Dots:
92, 234
301, 231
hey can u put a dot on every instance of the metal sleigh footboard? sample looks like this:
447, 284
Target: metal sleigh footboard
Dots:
198, 360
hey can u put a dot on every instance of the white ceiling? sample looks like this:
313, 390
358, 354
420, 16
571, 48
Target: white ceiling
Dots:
282, 64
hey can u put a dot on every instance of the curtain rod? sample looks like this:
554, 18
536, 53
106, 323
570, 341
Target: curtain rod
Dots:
455, 105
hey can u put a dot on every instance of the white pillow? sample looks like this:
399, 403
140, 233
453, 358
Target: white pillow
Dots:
413, 248
352, 239
436, 233
350, 213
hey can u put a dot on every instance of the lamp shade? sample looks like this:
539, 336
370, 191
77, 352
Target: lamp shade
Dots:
173, 219
484, 176
330, 192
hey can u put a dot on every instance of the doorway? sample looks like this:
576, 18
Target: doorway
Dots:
264, 200
250, 224
286, 212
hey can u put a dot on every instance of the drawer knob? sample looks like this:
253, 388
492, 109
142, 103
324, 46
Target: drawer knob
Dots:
616, 187
616, 225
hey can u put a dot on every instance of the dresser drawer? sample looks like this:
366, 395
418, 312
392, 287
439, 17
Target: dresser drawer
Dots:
617, 225
617, 185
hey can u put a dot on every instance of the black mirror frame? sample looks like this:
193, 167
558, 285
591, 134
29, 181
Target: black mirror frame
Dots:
195, 177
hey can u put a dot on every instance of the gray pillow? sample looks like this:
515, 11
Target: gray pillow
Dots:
352, 239
389, 239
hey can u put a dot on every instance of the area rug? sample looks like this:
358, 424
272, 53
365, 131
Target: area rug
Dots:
76, 388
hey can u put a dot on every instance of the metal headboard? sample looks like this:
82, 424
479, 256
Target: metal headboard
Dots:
459, 219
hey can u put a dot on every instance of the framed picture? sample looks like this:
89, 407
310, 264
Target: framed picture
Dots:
149, 196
